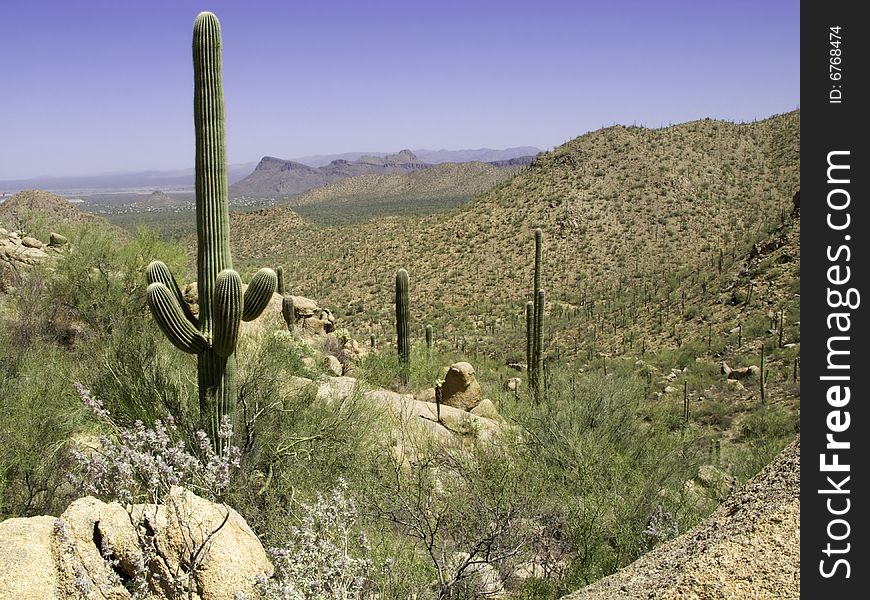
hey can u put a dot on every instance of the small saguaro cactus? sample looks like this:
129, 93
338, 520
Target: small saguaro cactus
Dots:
403, 312
279, 271
429, 338
212, 336
288, 311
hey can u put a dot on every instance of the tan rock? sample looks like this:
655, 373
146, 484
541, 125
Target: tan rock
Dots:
31, 242
56, 239
478, 580
27, 567
461, 389
234, 557
425, 395
333, 365
485, 409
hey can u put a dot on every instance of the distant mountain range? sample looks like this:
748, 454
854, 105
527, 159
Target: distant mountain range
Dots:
276, 178
432, 157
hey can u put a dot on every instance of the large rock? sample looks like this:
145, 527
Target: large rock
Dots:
63, 558
27, 568
461, 389
32, 242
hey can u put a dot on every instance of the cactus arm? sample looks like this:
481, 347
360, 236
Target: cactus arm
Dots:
172, 321
157, 271
259, 293
227, 311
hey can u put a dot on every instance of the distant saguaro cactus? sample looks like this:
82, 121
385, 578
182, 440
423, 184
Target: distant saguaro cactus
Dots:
212, 336
403, 312
429, 338
535, 358
279, 271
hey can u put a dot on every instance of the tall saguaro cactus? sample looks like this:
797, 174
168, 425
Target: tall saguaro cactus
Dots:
212, 336
403, 312
530, 337
534, 333
538, 344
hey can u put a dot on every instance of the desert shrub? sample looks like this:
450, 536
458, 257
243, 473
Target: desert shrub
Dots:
463, 509
613, 468
39, 416
381, 368
764, 432
326, 555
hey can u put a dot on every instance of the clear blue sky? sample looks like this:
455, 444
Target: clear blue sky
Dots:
90, 87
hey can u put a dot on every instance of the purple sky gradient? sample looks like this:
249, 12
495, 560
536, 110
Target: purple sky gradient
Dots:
99, 86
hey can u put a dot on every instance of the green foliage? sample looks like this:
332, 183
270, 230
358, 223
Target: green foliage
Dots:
38, 419
610, 467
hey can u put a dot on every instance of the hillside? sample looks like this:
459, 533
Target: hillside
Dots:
633, 219
52, 209
364, 197
275, 177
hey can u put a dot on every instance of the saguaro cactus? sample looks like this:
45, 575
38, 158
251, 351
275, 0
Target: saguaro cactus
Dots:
429, 338
538, 345
539, 252
279, 271
403, 311
530, 337
534, 333
288, 311
212, 336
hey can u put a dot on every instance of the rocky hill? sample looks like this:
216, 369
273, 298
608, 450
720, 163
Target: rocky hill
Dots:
50, 207
748, 548
434, 189
274, 177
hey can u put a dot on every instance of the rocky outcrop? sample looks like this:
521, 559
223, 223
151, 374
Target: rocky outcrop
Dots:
48, 558
748, 548
17, 252
461, 389
740, 372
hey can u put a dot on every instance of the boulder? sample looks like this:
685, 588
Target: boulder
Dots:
461, 389
45, 557
740, 373
333, 365
513, 384
479, 580
485, 409
27, 567
56, 239
31, 242
425, 395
